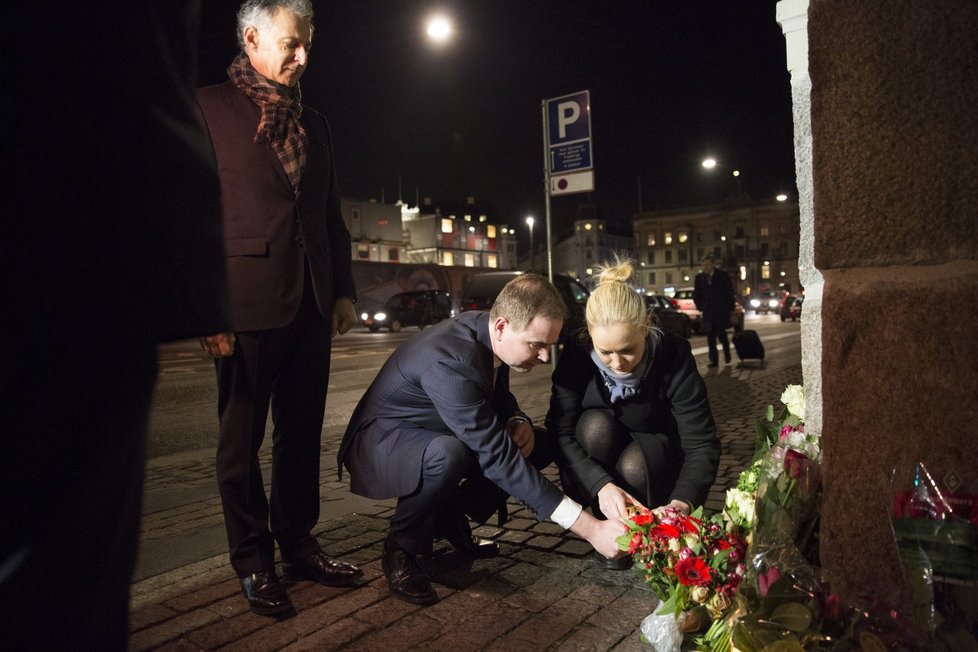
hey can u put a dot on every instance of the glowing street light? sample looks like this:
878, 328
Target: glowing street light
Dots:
529, 223
439, 29
782, 197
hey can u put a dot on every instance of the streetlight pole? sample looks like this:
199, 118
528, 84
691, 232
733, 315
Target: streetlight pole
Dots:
529, 223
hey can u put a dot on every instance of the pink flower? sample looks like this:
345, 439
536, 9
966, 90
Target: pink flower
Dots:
766, 579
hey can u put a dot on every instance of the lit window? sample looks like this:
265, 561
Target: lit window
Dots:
587, 227
491, 230
446, 225
470, 260
651, 239
765, 231
683, 237
482, 218
667, 238
765, 271
447, 258
492, 261
363, 252
743, 272
468, 218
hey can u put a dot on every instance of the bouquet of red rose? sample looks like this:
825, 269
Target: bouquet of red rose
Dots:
692, 564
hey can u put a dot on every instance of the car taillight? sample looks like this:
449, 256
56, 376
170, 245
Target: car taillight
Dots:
675, 304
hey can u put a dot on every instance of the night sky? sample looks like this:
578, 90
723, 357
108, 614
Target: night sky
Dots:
670, 80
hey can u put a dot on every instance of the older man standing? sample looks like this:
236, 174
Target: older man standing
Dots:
291, 289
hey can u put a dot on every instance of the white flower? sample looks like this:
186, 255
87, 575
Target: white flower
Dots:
794, 397
740, 507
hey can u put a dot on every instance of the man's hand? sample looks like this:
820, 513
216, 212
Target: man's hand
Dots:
613, 501
218, 346
521, 432
344, 316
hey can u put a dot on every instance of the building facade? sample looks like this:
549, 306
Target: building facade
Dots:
590, 245
458, 235
757, 243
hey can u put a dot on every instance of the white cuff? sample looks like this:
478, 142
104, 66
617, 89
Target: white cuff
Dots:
566, 513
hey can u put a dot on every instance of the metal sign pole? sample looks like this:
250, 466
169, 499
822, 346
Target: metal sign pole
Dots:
546, 199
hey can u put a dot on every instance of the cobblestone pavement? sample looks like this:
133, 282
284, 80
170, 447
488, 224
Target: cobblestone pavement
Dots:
541, 593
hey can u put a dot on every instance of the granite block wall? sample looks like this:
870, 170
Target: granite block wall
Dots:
894, 134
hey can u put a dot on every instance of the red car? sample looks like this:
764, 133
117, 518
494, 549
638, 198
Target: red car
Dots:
791, 308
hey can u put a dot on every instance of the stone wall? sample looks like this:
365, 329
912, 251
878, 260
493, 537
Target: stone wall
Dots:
894, 99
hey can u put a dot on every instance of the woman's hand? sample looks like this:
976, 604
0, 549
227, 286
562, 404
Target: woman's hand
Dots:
678, 505
613, 501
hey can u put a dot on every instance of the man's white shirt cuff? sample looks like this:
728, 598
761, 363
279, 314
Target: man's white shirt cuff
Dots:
566, 513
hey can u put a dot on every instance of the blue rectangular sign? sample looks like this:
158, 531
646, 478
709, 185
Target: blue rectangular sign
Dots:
567, 158
569, 118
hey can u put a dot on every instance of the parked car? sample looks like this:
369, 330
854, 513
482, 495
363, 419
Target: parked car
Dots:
686, 305
482, 289
792, 308
667, 316
765, 302
418, 308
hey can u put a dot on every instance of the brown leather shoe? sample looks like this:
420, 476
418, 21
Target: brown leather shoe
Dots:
321, 569
265, 595
456, 530
405, 577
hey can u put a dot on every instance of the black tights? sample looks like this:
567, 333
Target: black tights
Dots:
612, 446
648, 472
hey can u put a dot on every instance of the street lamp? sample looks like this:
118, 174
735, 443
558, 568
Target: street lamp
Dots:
439, 29
529, 223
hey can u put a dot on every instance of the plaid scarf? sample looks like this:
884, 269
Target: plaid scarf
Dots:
280, 110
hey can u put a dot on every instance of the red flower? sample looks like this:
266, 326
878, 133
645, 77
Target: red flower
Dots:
693, 571
635, 544
664, 531
643, 519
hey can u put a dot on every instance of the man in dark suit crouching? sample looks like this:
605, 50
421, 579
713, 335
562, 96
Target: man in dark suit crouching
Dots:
439, 430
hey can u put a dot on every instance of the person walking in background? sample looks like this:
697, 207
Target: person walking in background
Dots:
629, 411
439, 420
112, 244
289, 273
714, 297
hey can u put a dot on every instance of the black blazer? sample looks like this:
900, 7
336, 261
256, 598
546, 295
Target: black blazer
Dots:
671, 400
270, 229
439, 382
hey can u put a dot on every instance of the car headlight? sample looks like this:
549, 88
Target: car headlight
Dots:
773, 303
380, 316
364, 316
755, 303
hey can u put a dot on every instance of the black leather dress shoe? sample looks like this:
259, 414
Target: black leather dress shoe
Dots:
619, 563
405, 577
323, 570
265, 595
456, 530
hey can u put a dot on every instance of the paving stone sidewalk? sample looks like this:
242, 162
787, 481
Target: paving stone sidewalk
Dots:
541, 593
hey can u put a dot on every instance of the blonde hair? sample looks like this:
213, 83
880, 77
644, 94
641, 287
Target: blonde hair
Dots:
614, 300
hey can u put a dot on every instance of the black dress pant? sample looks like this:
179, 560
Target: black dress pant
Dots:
715, 331
288, 370
452, 482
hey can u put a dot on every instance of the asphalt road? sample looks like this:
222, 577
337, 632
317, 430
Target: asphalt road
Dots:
184, 413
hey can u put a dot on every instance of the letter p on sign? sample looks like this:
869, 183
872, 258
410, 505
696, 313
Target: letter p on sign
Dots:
567, 113
568, 118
